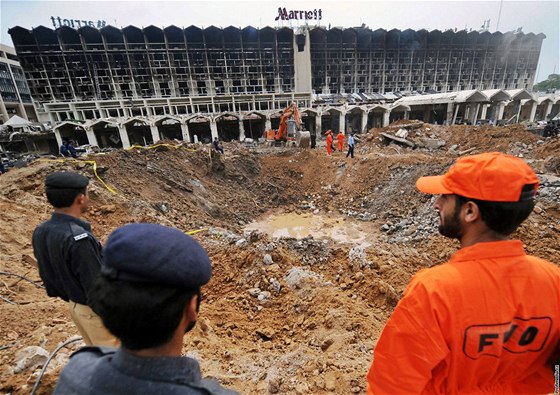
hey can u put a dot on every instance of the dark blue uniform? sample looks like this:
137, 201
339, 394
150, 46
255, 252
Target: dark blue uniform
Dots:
109, 371
69, 257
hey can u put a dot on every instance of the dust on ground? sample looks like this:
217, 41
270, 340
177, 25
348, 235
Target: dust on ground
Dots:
283, 315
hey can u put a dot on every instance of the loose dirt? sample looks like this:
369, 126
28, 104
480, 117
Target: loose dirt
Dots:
280, 315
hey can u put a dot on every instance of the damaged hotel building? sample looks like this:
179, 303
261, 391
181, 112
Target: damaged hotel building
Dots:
117, 87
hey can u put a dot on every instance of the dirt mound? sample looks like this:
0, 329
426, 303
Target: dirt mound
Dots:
279, 315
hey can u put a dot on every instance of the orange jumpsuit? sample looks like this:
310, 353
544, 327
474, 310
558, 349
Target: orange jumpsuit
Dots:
329, 143
340, 139
488, 321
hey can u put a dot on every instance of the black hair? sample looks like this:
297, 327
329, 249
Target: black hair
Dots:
504, 217
61, 198
141, 315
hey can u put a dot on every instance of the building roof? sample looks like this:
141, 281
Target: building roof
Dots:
496, 94
442, 98
17, 122
519, 94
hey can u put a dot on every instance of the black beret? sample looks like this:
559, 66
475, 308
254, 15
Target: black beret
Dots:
66, 180
156, 254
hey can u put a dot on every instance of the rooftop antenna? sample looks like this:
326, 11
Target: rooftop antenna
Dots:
499, 15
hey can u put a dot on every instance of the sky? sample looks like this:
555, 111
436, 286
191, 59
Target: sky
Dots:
532, 16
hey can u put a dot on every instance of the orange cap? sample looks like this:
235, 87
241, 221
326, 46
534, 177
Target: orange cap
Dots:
493, 177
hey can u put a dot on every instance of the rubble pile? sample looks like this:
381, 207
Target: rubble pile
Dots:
280, 315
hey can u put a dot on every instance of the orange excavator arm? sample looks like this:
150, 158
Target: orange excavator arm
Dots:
289, 111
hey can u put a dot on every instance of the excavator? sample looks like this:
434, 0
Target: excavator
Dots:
289, 132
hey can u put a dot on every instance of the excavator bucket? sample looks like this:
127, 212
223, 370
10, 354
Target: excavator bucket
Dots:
303, 139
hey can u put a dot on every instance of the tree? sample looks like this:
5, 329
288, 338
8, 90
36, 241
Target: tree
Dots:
549, 85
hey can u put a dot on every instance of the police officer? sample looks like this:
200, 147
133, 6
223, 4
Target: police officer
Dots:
69, 255
148, 295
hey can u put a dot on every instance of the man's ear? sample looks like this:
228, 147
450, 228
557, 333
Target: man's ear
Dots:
190, 308
80, 199
470, 212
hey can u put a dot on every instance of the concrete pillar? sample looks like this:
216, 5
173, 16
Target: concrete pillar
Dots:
318, 125
548, 110
386, 114
123, 134
468, 111
455, 114
406, 114
155, 133
58, 138
75, 113
341, 123
518, 107
213, 129
449, 114
533, 112
484, 109
52, 118
4, 111
92, 139
474, 113
22, 111
501, 108
427, 112
185, 132
267, 124
241, 129
364, 122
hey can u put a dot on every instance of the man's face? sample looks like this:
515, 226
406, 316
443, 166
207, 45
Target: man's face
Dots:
449, 216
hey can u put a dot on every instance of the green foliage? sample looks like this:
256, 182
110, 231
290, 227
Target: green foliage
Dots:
550, 84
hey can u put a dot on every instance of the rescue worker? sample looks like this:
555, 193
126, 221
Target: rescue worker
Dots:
148, 294
329, 142
340, 141
487, 321
69, 255
350, 145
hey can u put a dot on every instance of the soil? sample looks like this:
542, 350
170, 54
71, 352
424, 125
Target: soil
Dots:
302, 320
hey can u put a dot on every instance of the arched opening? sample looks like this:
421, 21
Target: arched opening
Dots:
254, 125
73, 132
526, 108
309, 122
354, 120
107, 135
375, 118
228, 127
330, 120
169, 129
200, 127
275, 120
139, 132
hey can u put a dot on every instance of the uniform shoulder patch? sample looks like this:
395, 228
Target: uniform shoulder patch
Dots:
81, 236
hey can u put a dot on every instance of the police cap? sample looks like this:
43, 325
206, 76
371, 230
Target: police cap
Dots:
66, 180
151, 253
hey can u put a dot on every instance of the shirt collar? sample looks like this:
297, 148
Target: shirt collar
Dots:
57, 216
169, 369
489, 250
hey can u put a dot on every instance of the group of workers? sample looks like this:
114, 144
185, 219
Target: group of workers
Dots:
487, 321
340, 143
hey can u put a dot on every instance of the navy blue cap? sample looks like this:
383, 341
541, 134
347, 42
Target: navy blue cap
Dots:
66, 180
151, 253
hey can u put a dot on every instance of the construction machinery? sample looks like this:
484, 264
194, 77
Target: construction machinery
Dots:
289, 131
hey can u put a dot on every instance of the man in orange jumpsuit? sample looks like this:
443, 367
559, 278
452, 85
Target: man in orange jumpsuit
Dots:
487, 321
329, 142
340, 140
